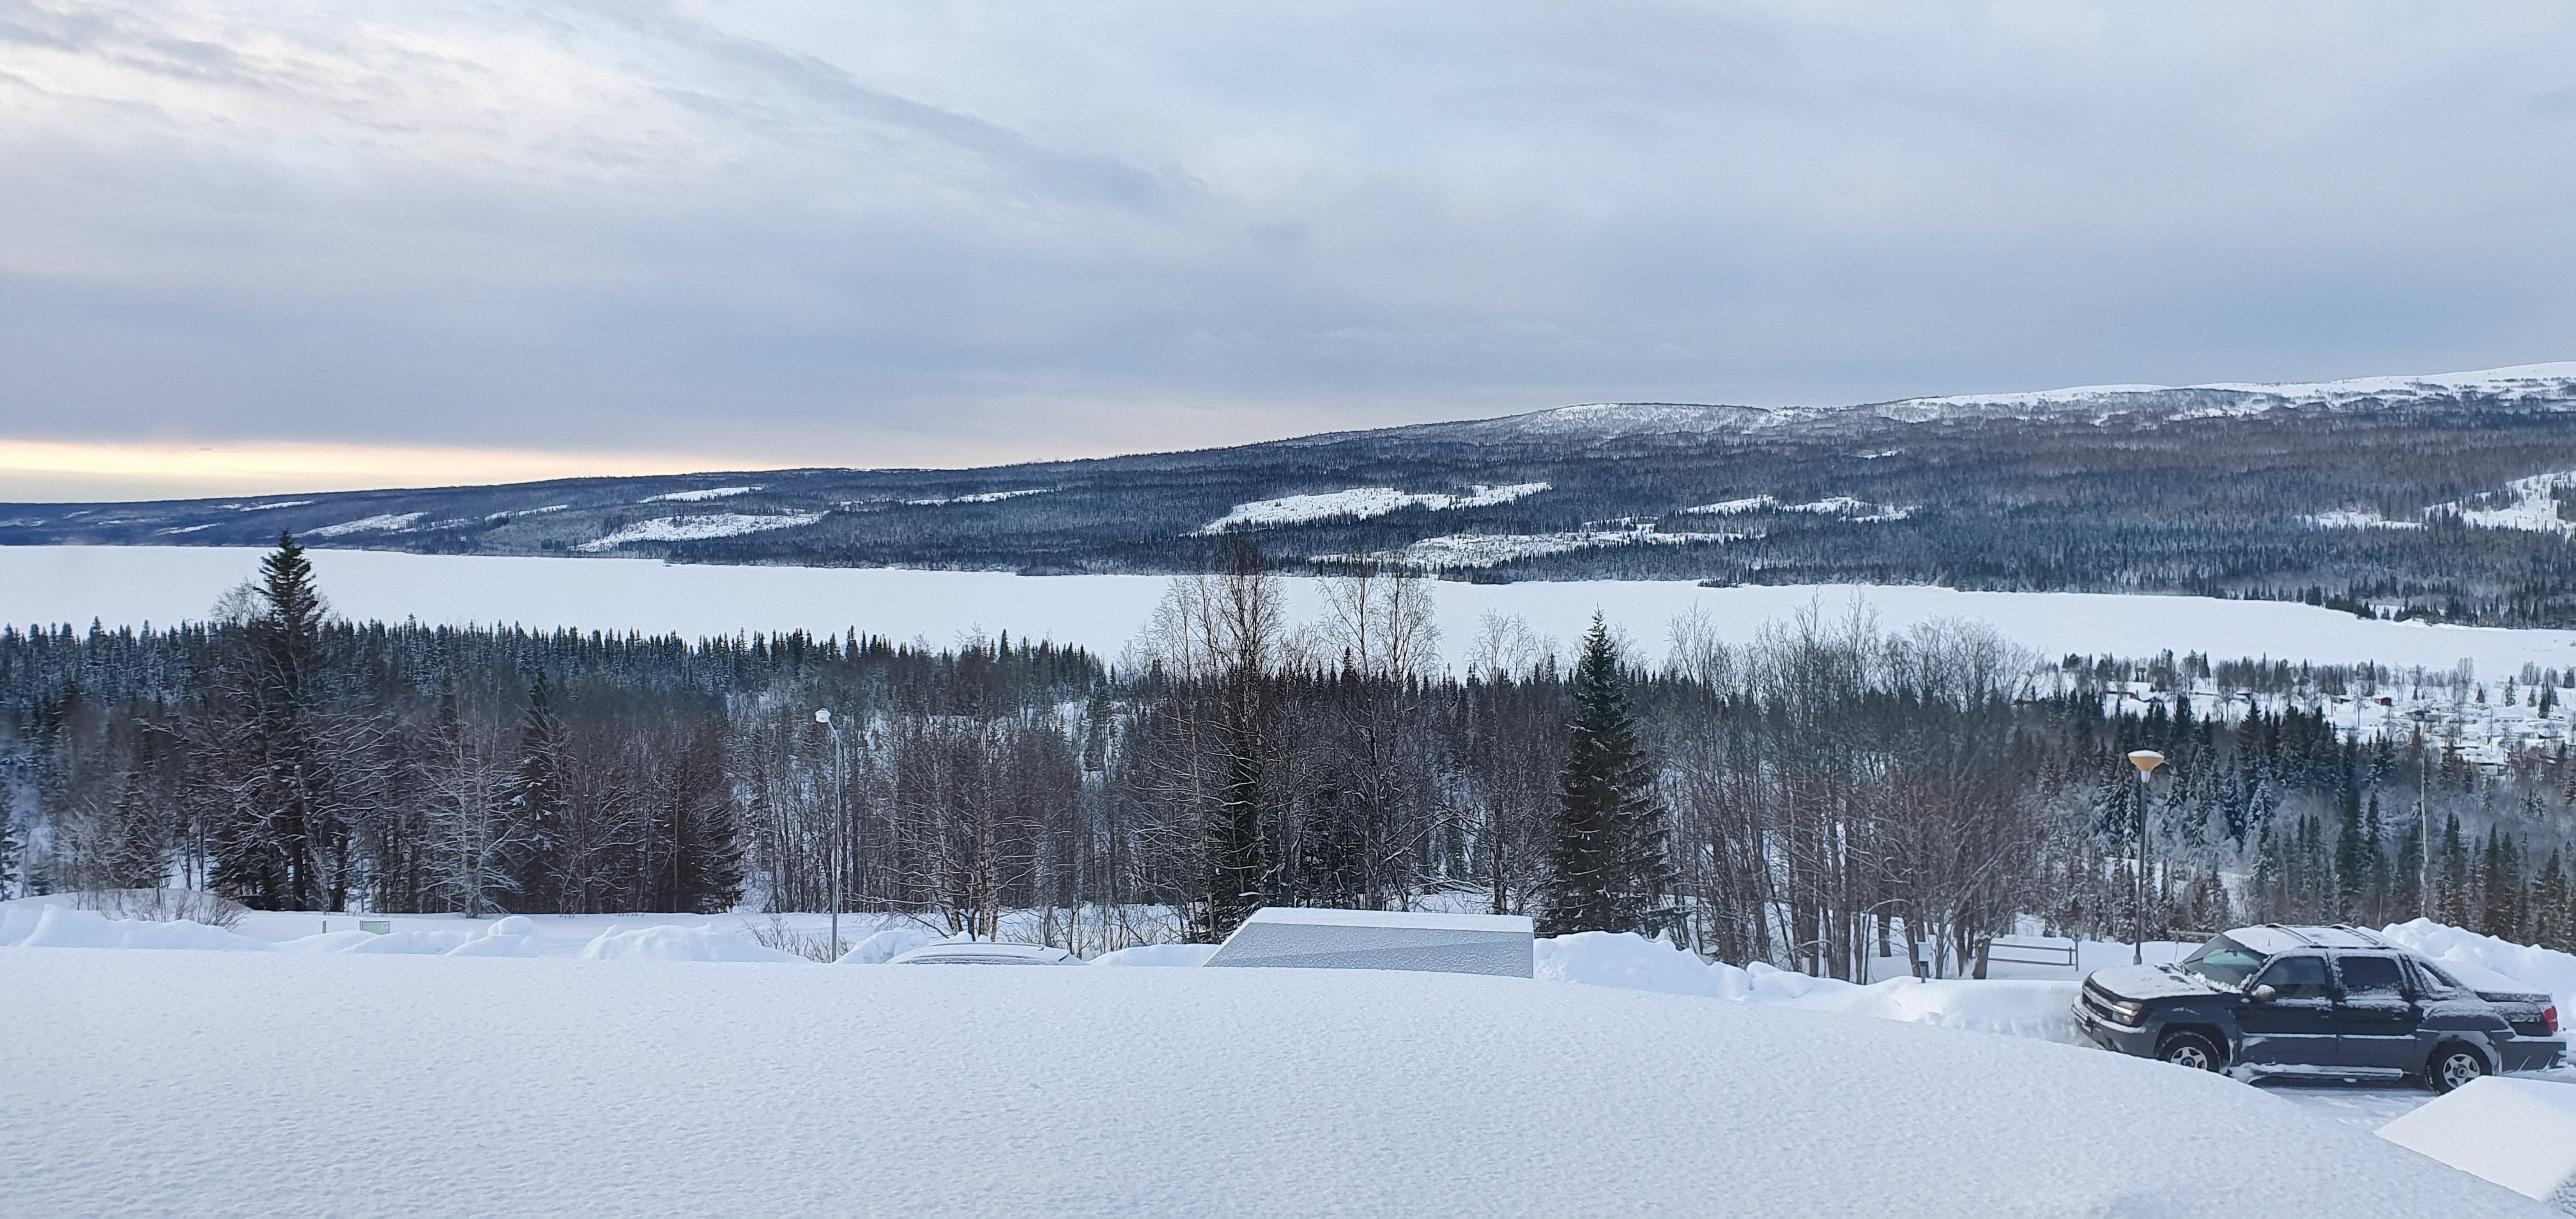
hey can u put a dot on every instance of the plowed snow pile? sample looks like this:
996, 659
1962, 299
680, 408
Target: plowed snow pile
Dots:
294, 1083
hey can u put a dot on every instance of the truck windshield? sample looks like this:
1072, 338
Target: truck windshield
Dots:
2225, 962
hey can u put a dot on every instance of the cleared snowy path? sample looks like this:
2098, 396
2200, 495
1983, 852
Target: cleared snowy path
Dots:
291, 1084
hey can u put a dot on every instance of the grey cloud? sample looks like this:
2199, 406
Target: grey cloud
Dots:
1027, 164
921, 232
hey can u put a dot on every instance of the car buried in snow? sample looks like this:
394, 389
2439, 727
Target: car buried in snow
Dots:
2337, 1003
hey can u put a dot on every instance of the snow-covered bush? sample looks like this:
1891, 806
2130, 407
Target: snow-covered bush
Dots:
162, 906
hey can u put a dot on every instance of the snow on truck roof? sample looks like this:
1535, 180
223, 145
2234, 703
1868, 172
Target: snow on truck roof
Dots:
2271, 938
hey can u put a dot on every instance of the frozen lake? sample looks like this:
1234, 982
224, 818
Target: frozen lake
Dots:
131, 585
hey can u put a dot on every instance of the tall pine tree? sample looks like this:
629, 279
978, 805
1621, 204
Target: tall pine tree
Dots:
284, 847
537, 799
1609, 869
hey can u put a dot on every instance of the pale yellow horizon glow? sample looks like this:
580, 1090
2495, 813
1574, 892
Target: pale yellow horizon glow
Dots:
56, 471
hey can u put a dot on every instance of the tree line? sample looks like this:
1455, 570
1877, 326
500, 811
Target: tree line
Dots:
1824, 792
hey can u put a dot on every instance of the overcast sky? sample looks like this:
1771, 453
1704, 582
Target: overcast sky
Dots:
263, 246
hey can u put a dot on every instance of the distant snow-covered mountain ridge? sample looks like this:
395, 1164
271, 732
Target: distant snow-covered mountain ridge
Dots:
2446, 495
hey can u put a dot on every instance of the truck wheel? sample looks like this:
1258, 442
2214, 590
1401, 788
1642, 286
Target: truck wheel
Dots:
2452, 1066
2189, 1050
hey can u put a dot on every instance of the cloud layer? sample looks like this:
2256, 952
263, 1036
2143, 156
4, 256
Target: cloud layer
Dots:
941, 234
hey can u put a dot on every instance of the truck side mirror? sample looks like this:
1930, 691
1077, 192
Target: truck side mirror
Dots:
2265, 993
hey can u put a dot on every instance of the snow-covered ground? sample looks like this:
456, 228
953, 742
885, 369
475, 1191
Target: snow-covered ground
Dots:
274, 1082
1360, 503
2488, 719
701, 493
700, 528
382, 523
980, 497
1832, 505
128, 585
2533, 509
2029, 1002
1466, 550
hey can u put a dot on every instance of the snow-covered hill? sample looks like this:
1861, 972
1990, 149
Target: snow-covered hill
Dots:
2549, 385
2230, 488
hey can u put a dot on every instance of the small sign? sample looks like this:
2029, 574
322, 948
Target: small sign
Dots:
376, 926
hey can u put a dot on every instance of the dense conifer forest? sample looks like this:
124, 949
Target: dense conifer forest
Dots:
1796, 800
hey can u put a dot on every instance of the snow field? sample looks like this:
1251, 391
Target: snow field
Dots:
699, 528
1360, 503
130, 585
277, 1083
702, 493
1832, 505
2533, 509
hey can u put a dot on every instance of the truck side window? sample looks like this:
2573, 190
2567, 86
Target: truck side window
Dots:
2301, 977
2437, 982
2372, 975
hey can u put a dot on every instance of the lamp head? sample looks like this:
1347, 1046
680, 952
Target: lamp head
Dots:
2146, 760
823, 715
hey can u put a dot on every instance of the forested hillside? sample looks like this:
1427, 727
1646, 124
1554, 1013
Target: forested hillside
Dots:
1802, 790
2441, 497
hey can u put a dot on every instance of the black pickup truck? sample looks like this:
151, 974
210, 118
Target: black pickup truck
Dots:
2331, 1002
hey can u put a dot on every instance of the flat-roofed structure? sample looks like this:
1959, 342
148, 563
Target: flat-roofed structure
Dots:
1295, 937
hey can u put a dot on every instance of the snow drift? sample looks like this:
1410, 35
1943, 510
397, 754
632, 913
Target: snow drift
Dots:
1629, 962
684, 944
390, 1084
2518, 1133
2467, 952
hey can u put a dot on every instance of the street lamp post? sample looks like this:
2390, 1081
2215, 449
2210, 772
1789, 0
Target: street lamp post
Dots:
2146, 760
2423, 835
840, 819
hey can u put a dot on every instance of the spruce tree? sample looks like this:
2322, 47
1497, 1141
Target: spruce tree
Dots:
2351, 865
2553, 904
2451, 904
537, 804
9, 852
2269, 885
282, 848
1608, 867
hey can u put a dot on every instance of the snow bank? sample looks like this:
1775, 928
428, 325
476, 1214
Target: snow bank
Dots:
64, 927
1158, 955
2518, 1133
1633, 962
681, 944
672, 1089
406, 942
1630, 962
888, 944
2538, 968
515, 936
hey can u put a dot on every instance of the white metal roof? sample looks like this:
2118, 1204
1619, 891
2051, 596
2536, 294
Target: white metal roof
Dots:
1413, 919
